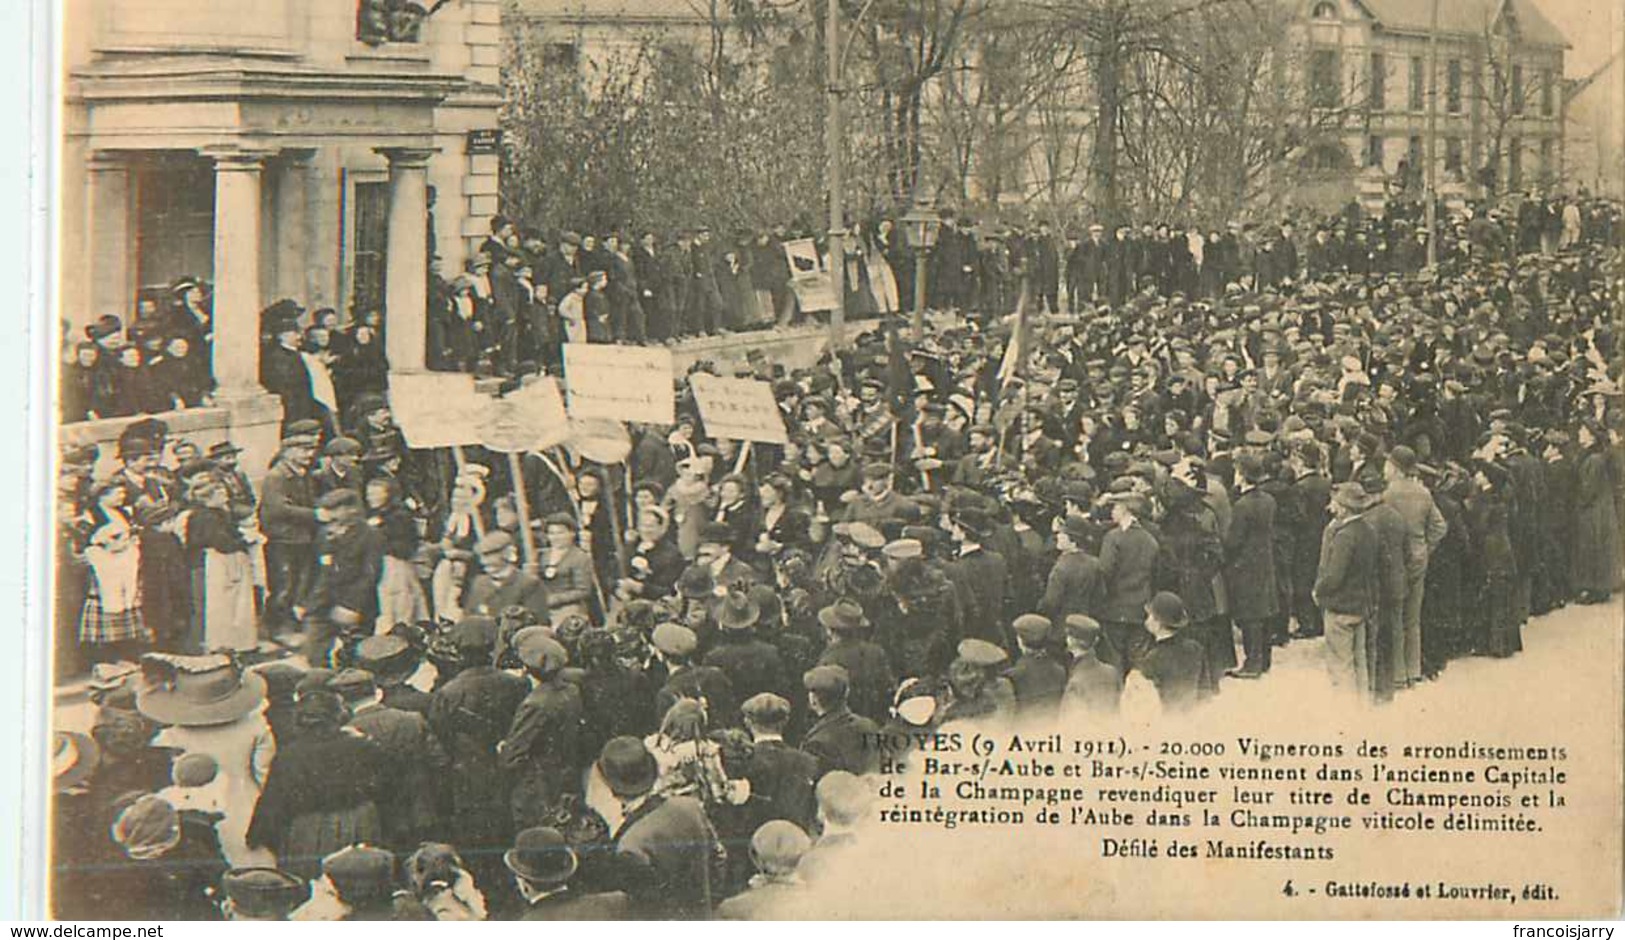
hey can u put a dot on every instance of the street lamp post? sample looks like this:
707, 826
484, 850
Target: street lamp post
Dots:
920, 227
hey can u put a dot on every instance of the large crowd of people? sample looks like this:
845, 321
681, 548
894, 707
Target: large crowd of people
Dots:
353, 691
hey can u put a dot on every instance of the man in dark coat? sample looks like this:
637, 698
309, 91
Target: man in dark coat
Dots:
1076, 582
1038, 677
838, 738
667, 855
282, 368
412, 759
1175, 663
349, 561
543, 866
868, 669
980, 577
469, 715
1249, 568
1045, 270
541, 744
751, 664
288, 521
677, 646
779, 774
1345, 590
1128, 560
502, 583
1313, 490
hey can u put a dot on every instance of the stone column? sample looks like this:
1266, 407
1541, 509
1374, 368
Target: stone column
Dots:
294, 246
109, 239
237, 298
406, 287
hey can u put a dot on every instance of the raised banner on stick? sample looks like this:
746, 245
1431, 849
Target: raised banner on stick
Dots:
809, 278
621, 383
740, 409
436, 409
529, 418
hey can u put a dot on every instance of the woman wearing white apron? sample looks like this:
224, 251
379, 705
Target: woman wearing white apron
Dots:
218, 549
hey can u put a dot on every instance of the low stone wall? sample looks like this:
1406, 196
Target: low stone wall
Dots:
252, 423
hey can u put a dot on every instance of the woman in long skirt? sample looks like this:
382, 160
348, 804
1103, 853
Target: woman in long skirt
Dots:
321, 794
1493, 622
112, 625
224, 572
1596, 520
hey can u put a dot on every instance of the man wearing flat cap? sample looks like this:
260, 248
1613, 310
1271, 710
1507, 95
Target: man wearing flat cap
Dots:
1128, 557
778, 773
1076, 583
341, 466
542, 743
838, 739
667, 856
776, 849
349, 562
413, 760
501, 582
1346, 588
1093, 688
1425, 528
1038, 677
877, 501
264, 894
469, 714
287, 518
686, 678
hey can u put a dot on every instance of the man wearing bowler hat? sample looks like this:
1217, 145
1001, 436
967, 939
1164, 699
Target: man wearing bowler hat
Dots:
667, 855
979, 575
838, 738
541, 744
543, 865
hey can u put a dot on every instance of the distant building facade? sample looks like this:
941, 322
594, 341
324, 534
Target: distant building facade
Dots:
1497, 80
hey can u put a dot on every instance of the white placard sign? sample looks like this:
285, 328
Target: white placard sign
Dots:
622, 383
740, 409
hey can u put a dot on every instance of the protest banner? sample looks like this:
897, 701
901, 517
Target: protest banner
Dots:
529, 418
621, 383
435, 409
740, 409
809, 279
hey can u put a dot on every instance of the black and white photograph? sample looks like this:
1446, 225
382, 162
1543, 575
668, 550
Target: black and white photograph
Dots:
527, 460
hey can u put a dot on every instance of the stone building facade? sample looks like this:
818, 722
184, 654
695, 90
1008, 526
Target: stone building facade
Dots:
275, 148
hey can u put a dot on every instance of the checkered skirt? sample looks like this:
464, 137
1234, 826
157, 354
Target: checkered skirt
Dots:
98, 626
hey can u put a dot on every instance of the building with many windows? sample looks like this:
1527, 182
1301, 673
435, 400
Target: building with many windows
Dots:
319, 150
1494, 78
